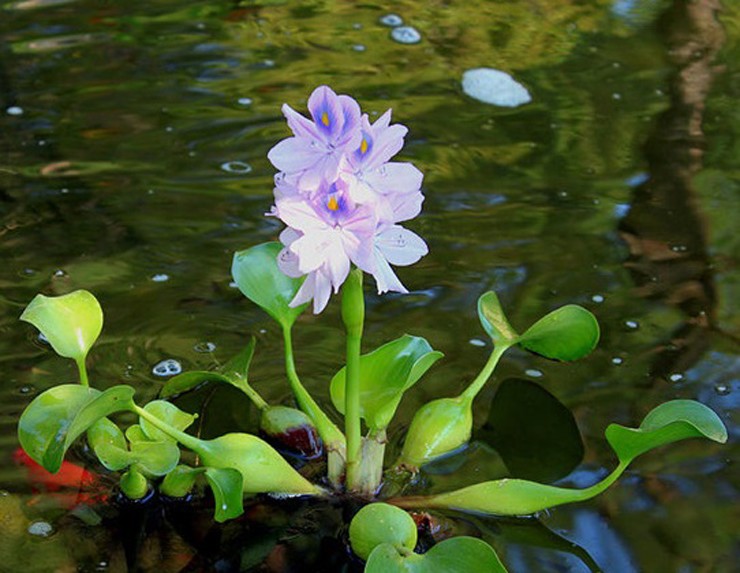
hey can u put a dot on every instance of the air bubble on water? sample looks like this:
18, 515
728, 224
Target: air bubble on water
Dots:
533, 373
679, 248
263, 331
675, 377
406, 35
617, 361
59, 274
616, 96
358, 48
160, 278
14, 110
357, 26
233, 284
41, 528
632, 324
477, 342
25, 389
244, 101
169, 128
236, 167
722, 389
169, 367
204, 347
391, 20
597, 298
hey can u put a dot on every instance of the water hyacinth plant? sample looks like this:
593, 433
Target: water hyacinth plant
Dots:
342, 199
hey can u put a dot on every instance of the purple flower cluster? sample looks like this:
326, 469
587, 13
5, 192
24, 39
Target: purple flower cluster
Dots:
342, 198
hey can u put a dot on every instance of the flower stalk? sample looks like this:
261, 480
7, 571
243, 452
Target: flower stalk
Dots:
353, 315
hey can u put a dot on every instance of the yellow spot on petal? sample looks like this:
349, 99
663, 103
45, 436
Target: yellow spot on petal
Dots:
332, 203
363, 146
325, 119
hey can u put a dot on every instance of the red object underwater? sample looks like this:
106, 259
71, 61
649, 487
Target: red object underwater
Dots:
72, 485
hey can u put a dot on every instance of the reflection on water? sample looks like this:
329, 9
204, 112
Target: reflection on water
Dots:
133, 141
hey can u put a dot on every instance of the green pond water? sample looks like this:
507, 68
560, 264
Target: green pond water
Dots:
133, 142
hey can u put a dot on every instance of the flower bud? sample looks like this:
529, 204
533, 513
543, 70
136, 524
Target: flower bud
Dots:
291, 429
438, 428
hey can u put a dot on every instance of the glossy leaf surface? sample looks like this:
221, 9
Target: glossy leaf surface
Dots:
669, 422
234, 372
259, 278
227, 487
455, 555
168, 413
109, 444
438, 428
55, 418
493, 319
262, 468
567, 333
379, 523
71, 322
385, 374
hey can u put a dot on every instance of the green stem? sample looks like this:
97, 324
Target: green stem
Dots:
475, 386
83, 371
253, 395
190, 442
371, 466
330, 434
353, 315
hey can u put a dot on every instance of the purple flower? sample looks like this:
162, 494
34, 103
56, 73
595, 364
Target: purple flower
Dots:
315, 151
342, 198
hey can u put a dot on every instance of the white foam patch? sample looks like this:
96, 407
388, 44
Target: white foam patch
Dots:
494, 87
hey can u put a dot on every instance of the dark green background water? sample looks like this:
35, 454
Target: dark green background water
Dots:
615, 188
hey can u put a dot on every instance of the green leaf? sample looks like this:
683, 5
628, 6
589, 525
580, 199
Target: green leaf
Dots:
669, 422
263, 469
535, 434
568, 333
259, 278
455, 555
234, 372
226, 484
134, 433
107, 441
179, 481
168, 413
55, 418
385, 374
379, 523
71, 322
155, 458
494, 321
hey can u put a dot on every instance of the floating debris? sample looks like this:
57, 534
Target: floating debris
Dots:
406, 35
169, 367
494, 87
391, 20
40, 529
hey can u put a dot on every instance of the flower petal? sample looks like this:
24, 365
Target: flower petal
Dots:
294, 154
400, 246
385, 278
